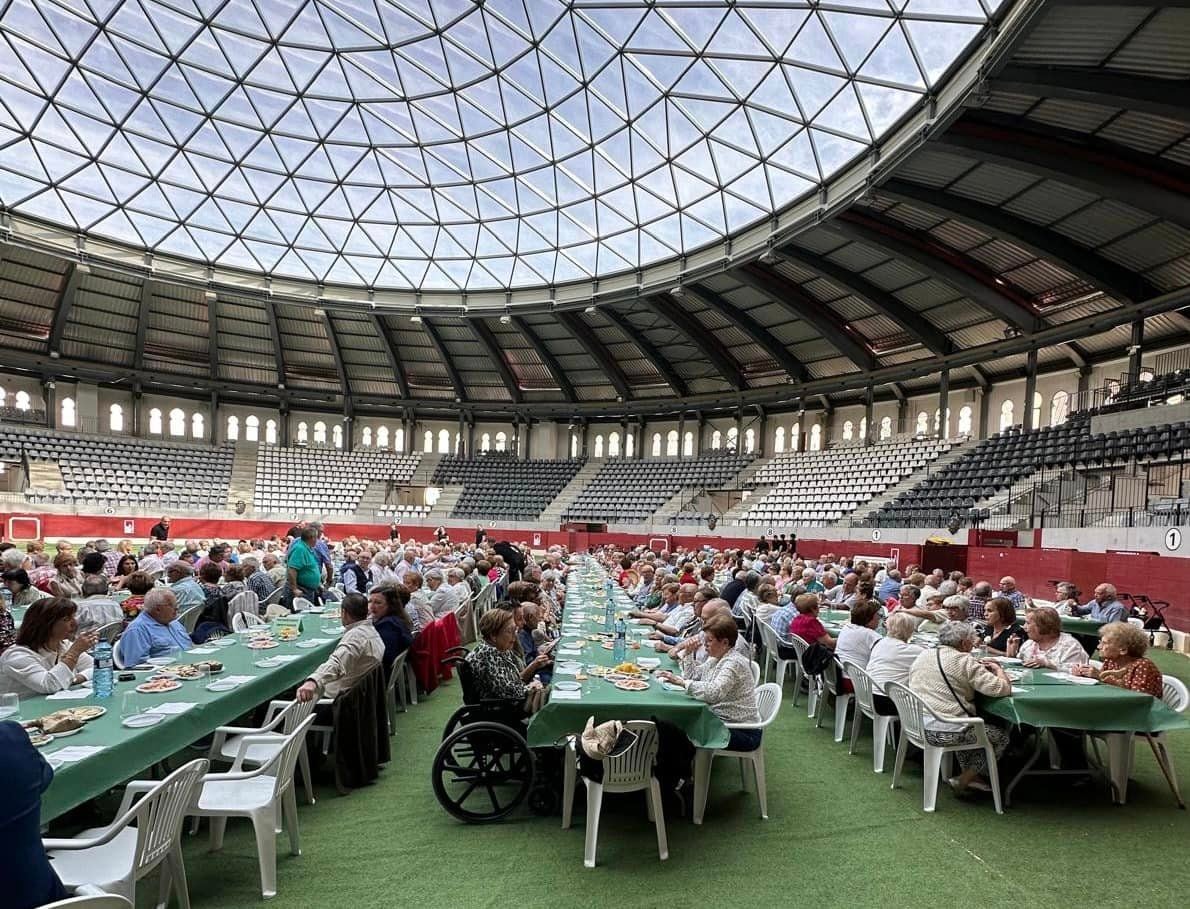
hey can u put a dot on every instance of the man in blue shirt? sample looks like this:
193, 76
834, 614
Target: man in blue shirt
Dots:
1105, 607
156, 631
187, 591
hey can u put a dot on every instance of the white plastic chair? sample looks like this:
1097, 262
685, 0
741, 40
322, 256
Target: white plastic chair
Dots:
865, 707
631, 771
772, 641
1121, 746
242, 621
91, 901
144, 835
244, 603
282, 719
189, 618
913, 714
832, 684
117, 656
768, 703
263, 795
333, 595
301, 604
275, 597
110, 632
813, 684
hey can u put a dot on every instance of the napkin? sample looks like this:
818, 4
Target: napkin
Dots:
570, 652
71, 694
282, 658
556, 695
77, 752
171, 708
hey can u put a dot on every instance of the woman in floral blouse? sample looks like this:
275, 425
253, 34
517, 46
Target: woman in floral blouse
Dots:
496, 666
1125, 665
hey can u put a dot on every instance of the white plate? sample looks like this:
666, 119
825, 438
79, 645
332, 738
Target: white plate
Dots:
141, 720
649, 662
267, 664
223, 686
568, 686
68, 732
306, 645
223, 642
161, 661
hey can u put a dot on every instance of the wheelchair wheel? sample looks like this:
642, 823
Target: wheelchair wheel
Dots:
482, 772
468, 713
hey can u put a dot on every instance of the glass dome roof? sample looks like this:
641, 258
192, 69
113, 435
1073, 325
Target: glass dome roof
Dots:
448, 144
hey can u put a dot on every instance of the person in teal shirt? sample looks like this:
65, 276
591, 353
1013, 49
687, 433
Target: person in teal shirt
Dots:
302, 568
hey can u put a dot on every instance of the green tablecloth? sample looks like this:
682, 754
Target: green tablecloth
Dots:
604, 701
127, 752
1044, 701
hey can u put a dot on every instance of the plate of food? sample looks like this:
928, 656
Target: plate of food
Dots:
82, 714
262, 644
632, 685
599, 671
627, 669
39, 739
158, 686
56, 724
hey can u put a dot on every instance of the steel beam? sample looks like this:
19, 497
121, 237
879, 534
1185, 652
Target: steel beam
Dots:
212, 299
650, 350
801, 305
65, 303
708, 345
340, 367
1102, 87
143, 311
390, 351
932, 338
585, 335
753, 329
548, 360
487, 341
270, 314
452, 372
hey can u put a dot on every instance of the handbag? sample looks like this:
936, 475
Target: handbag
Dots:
954, 694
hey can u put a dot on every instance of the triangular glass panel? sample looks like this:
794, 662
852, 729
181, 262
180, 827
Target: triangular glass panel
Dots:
813, 47
893, 61
856, 35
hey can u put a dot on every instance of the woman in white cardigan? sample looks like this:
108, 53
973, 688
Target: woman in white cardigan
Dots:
47, 656
724, 681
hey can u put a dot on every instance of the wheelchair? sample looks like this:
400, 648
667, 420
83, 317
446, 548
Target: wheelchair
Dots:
484, 769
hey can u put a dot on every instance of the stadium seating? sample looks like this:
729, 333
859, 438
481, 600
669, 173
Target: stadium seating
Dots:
400, 513
995, 464
324, 481
815, 488
134, 473
502, 488
631, 490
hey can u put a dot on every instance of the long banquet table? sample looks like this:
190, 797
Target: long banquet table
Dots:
127, 752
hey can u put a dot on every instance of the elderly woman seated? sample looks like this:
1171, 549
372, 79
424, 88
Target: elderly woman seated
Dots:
1048, 646
859, 637
1125, 665
947, 679
497, 669
388, 608
724, 681
47, 656
892, 658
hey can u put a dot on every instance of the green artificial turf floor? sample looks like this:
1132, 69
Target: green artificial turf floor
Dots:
836, 836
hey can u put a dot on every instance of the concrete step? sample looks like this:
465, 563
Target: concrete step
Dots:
47, 476
447, 499
570, 492
242, 485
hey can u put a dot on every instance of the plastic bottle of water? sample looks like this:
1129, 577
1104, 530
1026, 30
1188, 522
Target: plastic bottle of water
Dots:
101, 676
620, 647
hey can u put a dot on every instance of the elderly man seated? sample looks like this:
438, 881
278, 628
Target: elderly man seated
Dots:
256, 580
274, 568
696, 643
681, 614
359, 651
97, 608
1104, 607
155, 631
185, 585
442, 597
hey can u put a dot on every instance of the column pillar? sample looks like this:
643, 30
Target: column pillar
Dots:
700, 441
464, 447
943, 403
902, 416
762, 431
583, 448
1030, 389
1136, 348
1084, 387
681, 432
49, 397
283, 426
528, 438
136, 421
981, 396
471, 438
869, 405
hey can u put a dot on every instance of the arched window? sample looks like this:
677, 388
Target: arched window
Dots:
428, 441
501, 441
270, 432
303, 434
779, 440
1059, 408
337, 435
733, 438
630, 444
716, 440
816, 437
23, 402
574, 444
115, 419
848, 431
863, 428
886, 428
382, 437
252, 428
795, 437
233, 428
366, 437
485, 442
656, 449
320, 433
599, 446
1006, 415
155, 422
965, 414
177, 422
399, 439
613, 444
198, 426
444, 441
69, 418
923, 423
688, 444
749, 440
671, 444
1036, 409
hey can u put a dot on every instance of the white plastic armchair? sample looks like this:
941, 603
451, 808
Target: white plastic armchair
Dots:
243, 621
768, 704
914, 715
865, 706
146, 834
282, 718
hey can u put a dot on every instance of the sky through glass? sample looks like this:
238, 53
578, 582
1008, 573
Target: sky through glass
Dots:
443, 144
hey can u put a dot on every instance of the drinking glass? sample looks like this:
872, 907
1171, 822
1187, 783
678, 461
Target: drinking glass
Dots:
129, 705
10, 707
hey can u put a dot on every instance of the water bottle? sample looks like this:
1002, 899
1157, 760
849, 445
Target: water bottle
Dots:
101, 675
7, 594
620, 647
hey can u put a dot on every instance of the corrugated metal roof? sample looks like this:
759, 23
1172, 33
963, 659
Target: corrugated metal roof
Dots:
1161, 47
1073, 36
